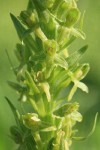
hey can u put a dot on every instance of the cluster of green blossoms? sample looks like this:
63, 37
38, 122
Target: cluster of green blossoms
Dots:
46, 29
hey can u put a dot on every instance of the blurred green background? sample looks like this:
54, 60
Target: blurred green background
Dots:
90, 103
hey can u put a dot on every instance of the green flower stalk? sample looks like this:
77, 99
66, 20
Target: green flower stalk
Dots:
46, 29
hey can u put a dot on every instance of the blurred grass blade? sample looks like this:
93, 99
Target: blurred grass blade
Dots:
9, 59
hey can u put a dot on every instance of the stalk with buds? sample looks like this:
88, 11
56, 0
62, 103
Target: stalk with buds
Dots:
46, 29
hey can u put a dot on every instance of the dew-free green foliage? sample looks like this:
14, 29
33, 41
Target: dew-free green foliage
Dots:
46, 29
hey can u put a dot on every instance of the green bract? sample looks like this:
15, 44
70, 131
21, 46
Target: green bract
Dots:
46, 30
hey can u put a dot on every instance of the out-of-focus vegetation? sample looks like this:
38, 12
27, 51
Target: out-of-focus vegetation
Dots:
90, 103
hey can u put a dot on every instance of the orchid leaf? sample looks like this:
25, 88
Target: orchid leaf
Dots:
31, 82
20, 29
76, 56
15, 112
17, 86
16, 134
60, 61
30, 6
29, 41
68, 42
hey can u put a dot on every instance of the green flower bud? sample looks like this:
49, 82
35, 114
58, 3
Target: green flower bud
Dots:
82, 71
50, 47
40, 76
46, 89
48, 3
31, 121
56, 5
85, 69
66, 109
63, 35
76, 116
63, 8
72, 17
